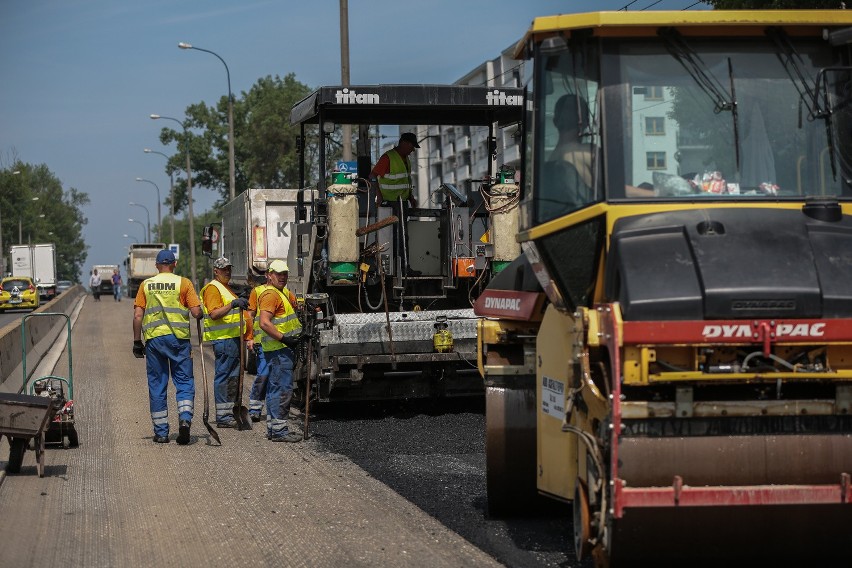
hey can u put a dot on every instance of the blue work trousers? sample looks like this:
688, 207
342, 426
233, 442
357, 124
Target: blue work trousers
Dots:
163, 355
279, 391
258, 388
227, 352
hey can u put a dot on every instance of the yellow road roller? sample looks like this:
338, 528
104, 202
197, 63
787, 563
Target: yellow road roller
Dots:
672, 354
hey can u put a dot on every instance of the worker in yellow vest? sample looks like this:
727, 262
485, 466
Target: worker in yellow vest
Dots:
222, 328
395, 188
161, 313
281, 334
258, 387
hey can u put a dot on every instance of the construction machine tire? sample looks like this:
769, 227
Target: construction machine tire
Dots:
73, 439
582, 521
17, 448
510, 451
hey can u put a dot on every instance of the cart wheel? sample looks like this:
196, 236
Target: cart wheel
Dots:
40, 454
16, 454
73, 440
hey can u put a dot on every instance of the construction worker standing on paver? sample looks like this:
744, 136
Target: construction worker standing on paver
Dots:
222, 328
258, 388
281, 334
161, 314
392, 177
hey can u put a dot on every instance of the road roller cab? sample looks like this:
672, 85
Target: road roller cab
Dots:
687, 212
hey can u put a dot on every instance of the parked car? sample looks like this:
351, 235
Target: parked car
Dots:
18, 292
63, 285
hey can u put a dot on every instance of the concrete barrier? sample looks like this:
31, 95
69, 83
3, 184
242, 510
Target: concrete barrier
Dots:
38, 329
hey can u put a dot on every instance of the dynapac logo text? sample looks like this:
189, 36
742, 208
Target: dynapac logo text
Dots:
745, 331
513, 304
500, 98
347, 97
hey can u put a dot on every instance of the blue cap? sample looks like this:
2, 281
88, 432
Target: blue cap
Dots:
166, 257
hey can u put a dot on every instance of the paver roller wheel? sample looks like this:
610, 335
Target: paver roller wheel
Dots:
16, 454
510, 450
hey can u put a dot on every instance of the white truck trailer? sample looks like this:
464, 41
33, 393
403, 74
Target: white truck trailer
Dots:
37, 262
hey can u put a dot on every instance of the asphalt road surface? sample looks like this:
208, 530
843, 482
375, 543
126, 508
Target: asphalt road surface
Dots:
393, 485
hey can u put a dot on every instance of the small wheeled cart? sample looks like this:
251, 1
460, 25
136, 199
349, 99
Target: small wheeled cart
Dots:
23, 418
59, 390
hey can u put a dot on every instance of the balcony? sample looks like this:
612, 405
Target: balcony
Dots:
480, 168
447, 151
463, 173
463, 144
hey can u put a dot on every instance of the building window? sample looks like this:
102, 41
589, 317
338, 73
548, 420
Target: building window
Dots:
656, 160
655, 126
654, 93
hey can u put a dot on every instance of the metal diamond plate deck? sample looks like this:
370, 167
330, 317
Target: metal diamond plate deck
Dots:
405, 326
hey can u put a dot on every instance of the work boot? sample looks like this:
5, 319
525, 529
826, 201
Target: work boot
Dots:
161, 439
229, 424
255, 417
288, 437
296, 413
183, 432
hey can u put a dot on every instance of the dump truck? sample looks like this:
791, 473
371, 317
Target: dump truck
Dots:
38, 262
140, 264
673, 356
377, 332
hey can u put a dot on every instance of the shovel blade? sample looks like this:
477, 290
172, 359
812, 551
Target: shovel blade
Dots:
241, 415
213, 433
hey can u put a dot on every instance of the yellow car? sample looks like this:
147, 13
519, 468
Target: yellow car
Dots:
18, 292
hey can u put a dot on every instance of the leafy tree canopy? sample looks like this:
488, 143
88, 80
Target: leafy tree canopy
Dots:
264, 140
56, 216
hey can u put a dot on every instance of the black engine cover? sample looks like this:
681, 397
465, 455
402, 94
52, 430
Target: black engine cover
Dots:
730, 263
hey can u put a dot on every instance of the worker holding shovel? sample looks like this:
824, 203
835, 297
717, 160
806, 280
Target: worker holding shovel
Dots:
222, 317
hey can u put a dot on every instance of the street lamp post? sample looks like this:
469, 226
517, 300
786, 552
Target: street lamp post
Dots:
188, 195
231, 173
126, 236
148, 215
159, 218
2, 251
141, 224
171, 195
21, 224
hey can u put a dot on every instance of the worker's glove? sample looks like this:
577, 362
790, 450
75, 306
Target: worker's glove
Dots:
138, 349
293, 341
241, 303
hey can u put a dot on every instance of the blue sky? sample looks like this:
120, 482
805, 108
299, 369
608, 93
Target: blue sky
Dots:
78, 78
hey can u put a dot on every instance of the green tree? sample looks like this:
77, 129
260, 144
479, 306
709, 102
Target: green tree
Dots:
34, 202
264, 141
773, 4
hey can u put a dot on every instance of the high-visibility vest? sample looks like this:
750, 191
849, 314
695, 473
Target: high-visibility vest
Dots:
287, 323
397, 182
164, 313
258, 290
228, 325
